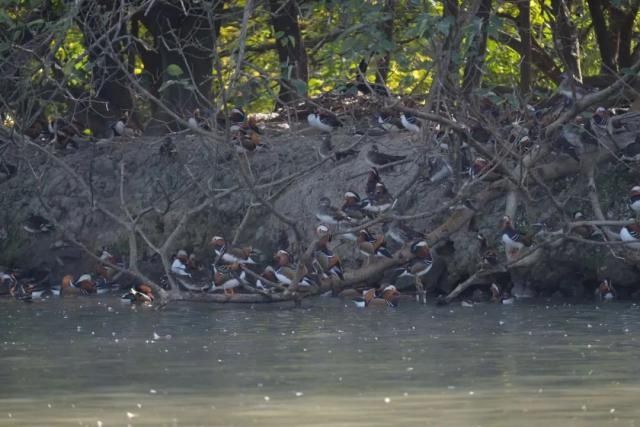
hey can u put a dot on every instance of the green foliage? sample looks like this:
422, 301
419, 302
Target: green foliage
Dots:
337, 35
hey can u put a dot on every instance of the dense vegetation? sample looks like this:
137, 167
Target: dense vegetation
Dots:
93, 60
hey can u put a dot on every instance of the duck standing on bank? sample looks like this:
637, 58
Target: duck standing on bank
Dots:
376, 158
410, 122
634, 200
514, 240
198, 121
121, 127
329, 214
389, 121
353, 206
326, 150
35, 224
324, 121
380, 201
373, 178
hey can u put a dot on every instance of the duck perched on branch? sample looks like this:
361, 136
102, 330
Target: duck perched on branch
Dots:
371, 246
329, 263
631, 233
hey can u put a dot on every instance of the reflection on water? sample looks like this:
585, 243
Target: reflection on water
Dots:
97, 362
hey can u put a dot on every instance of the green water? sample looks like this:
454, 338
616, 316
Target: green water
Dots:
98, 362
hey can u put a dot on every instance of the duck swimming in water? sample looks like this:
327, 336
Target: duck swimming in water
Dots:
68, 288
389, 297
140, 294
605, 291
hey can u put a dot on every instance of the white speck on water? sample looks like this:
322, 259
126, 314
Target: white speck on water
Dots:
451, 387
626, 330
612, 410
99, 423
583, 407
109, 309
299, 394
589, 325
304, 350
409, 369
267, 398
156, 336
588, 345
260, 385
78, 328
139, 405
540, 390
49, 405
501, 322
116, 341
153, 391
339, 379
10, 415
131, 415
471, 393
387, 400
219, 360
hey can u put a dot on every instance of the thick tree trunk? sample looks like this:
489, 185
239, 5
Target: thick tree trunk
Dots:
109, 79
541, 59
478, 49
602, 36
524, 29
449, 68
622, 33
291, 52
184, 43
566, 38
386, 28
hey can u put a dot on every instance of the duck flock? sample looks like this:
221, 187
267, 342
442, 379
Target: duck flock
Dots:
236, 270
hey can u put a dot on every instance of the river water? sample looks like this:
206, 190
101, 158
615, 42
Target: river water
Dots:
98, 362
